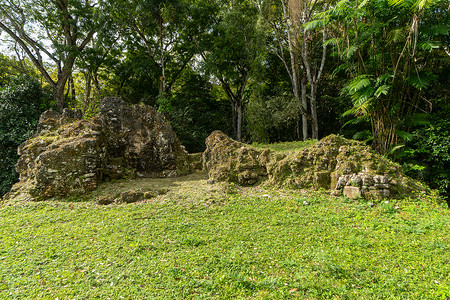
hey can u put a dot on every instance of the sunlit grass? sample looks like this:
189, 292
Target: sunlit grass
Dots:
250, 243
286, 146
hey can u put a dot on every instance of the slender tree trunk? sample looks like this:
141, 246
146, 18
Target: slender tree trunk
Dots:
294, 70
163, 67
305, 107
73, 95
87, 93
234, 117
314, 121
239, 121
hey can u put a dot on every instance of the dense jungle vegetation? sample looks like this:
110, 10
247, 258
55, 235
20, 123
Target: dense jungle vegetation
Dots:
260, 70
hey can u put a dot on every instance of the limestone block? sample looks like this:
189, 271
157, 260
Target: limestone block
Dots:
352, 192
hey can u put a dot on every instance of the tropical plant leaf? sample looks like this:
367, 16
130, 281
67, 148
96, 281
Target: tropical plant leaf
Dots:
420, 5
365, 135
406, 136
398, 35
313, 25
350, 51
359, 83
394, 149
421, 80
397, 2
429, 45
383, 79
382, 90
333, 41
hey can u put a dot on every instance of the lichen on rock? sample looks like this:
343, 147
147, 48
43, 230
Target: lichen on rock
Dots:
69, 155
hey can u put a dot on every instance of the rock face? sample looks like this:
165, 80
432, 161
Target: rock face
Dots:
69, 155
333, 163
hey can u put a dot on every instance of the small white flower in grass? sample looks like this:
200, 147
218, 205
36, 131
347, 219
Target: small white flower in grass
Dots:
305, 202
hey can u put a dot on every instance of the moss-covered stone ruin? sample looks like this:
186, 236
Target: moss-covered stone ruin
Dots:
71, 156
343, 166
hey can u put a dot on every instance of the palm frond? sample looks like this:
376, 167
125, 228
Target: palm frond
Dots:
348, 53
358, 83
365, 135
421, 80
406, 136
429, 45
384, 79
382, 90
313, 25
398, 35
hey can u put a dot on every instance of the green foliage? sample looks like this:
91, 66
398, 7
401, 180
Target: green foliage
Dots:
427, 155
269, 118
387, 59
259, 244
194, 113
21, 103
10, 67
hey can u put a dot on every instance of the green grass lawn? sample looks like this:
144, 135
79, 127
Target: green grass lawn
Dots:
235, 243
286, 146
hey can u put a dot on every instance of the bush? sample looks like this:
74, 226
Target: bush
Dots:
21, 103
427, 155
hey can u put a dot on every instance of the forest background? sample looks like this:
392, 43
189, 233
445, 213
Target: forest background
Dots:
260, 70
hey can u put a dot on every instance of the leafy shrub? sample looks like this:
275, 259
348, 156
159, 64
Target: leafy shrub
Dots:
427, 155
21, 103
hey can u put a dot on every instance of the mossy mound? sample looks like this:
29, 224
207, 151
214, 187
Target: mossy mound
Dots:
332, 163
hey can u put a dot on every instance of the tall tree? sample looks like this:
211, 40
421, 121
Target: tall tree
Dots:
55, 31
302, 49
231, 50
165, 28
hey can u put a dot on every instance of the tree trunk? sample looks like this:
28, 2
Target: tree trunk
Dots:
163, 67
239, 121
87, 92
72, 90
305, 108
314, 121
58, 94
234, 117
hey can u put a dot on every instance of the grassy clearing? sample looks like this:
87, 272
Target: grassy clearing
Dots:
286, 146
225, 242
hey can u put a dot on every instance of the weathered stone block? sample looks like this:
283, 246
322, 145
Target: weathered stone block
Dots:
352, 192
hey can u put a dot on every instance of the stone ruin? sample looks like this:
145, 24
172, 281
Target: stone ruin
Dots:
343, 166
71, 156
